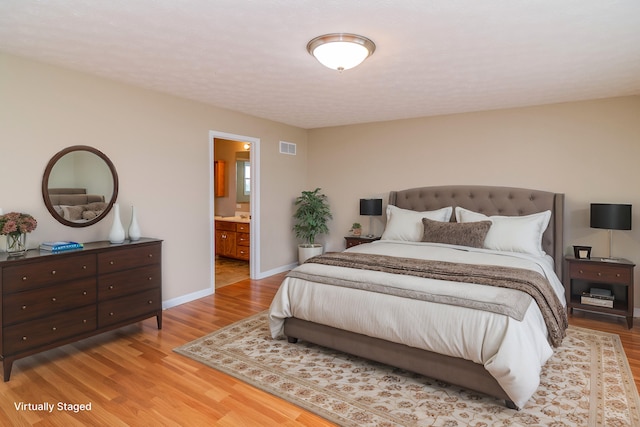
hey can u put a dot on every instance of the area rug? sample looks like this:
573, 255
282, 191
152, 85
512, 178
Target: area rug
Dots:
586, 383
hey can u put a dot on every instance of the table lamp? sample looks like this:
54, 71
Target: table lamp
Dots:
611, 217
371, 208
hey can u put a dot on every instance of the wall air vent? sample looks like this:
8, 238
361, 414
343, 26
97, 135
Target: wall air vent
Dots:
287, 148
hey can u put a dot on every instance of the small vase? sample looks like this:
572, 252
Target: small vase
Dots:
116, 235
16, 244
134, 228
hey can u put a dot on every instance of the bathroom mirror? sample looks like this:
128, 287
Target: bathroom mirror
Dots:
79, 186
243, 181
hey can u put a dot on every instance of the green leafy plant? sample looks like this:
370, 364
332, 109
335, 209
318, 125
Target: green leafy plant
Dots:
311, 215
356, 225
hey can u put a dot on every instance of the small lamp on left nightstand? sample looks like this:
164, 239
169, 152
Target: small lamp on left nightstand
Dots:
371, 208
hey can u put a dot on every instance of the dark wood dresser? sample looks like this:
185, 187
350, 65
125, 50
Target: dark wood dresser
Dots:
51, 299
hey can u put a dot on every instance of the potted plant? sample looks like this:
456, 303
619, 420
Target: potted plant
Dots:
356, 229
311, 215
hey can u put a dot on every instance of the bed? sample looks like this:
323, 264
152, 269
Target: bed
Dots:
425, 324
74, 204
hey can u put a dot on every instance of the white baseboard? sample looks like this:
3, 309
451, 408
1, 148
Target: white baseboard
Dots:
278, 270
186, 298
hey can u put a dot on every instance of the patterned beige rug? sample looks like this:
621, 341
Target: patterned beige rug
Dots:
586, 383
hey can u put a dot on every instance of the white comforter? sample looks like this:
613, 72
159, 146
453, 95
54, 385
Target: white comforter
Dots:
510, 350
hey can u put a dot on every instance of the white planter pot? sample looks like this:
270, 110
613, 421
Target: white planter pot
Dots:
307, 251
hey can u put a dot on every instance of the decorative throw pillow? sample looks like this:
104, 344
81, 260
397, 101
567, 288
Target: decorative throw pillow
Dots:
470, 234
73, 213
511, 233
404, 224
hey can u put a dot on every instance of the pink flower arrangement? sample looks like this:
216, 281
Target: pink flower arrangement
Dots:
17, 223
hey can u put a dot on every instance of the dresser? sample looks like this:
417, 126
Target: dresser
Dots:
233, 239
51, 299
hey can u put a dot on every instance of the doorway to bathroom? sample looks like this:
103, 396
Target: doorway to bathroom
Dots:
233, 207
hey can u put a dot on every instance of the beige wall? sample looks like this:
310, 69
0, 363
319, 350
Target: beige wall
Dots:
587, 150
159, 145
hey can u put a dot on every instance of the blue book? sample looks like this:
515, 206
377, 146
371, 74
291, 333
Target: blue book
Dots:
60, 246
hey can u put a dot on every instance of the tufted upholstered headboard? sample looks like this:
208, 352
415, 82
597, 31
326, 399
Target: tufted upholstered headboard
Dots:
493, 201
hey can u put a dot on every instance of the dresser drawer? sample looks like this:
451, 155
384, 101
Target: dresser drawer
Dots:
242, 252
125, 258
225, 225
600, 273
129, 281
32, 275
23, 306
243, 239
49, 329
241, 227
120, 309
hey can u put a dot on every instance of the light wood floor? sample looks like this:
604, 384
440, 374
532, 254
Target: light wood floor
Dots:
132, 377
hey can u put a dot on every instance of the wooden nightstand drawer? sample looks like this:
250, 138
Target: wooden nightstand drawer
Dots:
600, 273
23, 306
242, 227
53, 270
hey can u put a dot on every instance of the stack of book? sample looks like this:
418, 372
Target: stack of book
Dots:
598, 297
60, 246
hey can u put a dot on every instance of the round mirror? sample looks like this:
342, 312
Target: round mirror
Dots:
79, 186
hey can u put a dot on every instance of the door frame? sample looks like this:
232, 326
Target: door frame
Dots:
254, 211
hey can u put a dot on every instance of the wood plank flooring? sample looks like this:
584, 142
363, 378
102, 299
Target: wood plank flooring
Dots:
132, 377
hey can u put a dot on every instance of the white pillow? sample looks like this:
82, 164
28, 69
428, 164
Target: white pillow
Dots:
403, 224
511, 233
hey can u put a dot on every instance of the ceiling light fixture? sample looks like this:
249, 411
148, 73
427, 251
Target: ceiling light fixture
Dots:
341, 51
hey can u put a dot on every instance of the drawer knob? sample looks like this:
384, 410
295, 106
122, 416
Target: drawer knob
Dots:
84, 320
24, 338
53, 299
111, 314
53, 272
150, 302
84, 267
150, 255
24, 278
112, 262
599, 274
617, 274
150, 278
54, 329
84, 292
581, 272
110, 287
24, 307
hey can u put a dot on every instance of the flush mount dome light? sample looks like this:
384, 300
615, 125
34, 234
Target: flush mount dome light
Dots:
341, 51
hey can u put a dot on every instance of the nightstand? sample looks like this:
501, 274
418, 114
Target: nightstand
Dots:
580, 275
358, 240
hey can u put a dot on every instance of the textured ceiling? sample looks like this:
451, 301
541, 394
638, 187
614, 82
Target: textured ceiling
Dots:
432, 57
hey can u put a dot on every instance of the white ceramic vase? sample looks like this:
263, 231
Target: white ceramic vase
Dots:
134, 228
116, 235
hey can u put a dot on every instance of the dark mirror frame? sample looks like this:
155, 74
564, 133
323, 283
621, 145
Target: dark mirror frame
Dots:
45, 185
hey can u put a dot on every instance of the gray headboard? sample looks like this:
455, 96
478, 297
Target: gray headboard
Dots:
493, 201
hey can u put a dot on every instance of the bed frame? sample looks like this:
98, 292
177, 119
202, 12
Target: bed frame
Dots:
461, 372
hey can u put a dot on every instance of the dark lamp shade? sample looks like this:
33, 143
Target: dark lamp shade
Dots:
611, 216
370, 206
